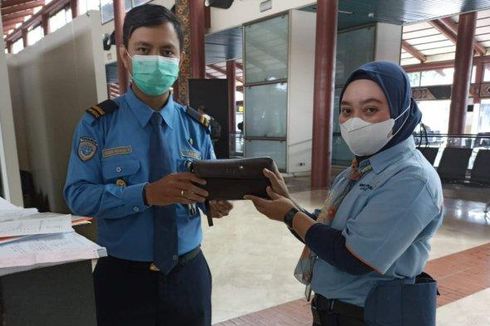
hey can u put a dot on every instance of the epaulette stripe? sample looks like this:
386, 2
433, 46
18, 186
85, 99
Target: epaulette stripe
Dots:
93, 112
204, 121
98, 109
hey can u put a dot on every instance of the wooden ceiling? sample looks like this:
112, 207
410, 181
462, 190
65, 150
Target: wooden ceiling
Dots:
15, 12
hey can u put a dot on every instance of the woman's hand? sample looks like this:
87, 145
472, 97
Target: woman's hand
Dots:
278, 184
220, 208
275, 208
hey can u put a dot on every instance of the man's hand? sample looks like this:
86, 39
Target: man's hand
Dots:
220, 208
275, 208
177, 188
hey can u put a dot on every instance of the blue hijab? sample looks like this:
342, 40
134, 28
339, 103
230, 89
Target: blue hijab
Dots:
396, 86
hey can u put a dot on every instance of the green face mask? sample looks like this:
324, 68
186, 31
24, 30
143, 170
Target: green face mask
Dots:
154, 74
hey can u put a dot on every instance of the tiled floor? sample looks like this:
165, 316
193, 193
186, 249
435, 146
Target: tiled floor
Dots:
252, 259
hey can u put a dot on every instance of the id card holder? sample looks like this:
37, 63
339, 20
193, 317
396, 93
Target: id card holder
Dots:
308, 292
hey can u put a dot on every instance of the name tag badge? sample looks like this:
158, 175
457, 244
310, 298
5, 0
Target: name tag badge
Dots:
122, 150
191, 154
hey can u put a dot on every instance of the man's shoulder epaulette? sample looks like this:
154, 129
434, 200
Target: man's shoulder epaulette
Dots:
103, 108
202, 118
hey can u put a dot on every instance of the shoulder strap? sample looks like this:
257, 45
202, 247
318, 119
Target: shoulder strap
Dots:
103, 108
203, 119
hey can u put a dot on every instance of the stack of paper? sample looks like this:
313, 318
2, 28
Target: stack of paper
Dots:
29, 239
38, 223
41, 251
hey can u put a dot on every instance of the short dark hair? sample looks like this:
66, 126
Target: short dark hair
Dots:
150, 15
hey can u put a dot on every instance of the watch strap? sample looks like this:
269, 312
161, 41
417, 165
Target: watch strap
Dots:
289, 217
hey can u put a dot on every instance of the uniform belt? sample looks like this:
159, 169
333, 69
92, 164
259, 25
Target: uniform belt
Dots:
143, 265
322, 304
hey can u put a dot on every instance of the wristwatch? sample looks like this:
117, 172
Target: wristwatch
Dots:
289, 217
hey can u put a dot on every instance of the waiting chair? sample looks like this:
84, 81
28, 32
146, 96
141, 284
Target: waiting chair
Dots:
430, 153
480, 174
454, 163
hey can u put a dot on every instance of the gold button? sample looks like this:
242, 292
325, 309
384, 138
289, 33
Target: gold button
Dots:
121, 183
154, 268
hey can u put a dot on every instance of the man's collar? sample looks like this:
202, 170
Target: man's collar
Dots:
143, 112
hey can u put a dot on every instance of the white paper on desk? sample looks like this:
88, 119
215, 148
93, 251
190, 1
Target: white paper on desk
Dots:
39, 223
40, 251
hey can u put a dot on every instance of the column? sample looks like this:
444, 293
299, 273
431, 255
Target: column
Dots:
462, 73
119, 13
326, 39
231, 77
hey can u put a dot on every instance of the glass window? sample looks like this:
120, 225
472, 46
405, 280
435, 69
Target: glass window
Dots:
266, 50
414, 78
18, 46
273, 149
59, 19
35, 35
435, 115
486, 73
354, 48
139, 2
266, 110
86, 5
437, 77
106, 10
484, 119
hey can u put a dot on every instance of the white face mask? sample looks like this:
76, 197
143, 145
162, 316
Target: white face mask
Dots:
365, 138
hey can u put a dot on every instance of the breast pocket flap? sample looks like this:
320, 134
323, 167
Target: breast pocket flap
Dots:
120, 169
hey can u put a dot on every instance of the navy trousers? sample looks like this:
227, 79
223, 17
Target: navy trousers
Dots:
129, 293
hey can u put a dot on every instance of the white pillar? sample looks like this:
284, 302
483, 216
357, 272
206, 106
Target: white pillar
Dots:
9, 162
388, 42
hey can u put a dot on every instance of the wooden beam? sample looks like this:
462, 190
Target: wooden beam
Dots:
413, 51
449, 29
74, 8
36, 19
17, 14
24, 6
444, 29
12, 21
9, 3
480, 49
442, 64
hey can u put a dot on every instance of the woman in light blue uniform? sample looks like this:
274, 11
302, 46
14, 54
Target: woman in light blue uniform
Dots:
368, 245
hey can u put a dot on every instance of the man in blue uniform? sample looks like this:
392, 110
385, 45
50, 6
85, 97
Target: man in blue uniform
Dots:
128, 168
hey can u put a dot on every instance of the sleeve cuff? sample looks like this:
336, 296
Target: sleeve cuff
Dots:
133, 197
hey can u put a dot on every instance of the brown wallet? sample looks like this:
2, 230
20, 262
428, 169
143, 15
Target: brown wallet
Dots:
234, 178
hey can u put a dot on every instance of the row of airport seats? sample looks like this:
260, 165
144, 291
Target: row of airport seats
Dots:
453, 166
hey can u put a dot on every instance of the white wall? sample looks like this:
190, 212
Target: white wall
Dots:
9, 164
243, 11
300, 92
55, 80
388, 42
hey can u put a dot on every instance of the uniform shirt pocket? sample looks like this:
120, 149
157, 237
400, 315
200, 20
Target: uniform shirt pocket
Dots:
120, 172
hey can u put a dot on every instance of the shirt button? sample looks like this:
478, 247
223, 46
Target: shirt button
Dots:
118, 169
175, 257
136, 209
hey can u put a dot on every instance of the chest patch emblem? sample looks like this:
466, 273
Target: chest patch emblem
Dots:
191, 154
122, 150
87, 147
